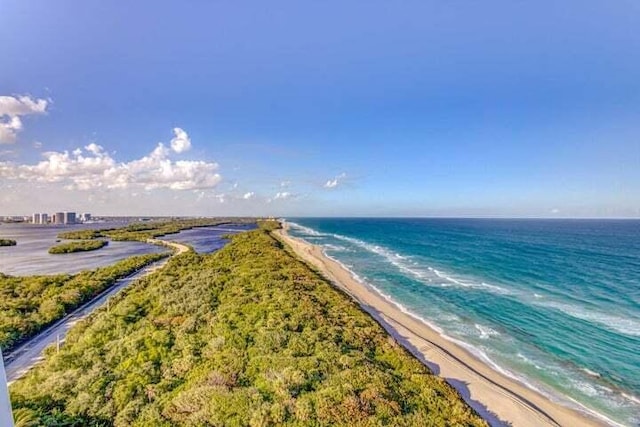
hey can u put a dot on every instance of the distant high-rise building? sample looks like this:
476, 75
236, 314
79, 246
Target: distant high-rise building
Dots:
69, 218
85, 217
59, 218
36, 218
44, 218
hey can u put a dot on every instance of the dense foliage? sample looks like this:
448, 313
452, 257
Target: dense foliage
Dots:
29, 303
142, 231
79, 246
7, 242
245, 336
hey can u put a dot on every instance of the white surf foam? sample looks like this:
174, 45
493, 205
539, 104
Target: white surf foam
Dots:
590, 372
486, 332
336, 248
623, 325
631, 398
424, 275
528, 361
305, 230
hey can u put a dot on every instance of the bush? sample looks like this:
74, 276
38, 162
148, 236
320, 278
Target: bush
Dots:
29, 303
80, 246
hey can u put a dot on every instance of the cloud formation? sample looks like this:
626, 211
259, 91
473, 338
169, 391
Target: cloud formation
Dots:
248, 195
283, 195
11, 109
181, 142
92, 168
333, 183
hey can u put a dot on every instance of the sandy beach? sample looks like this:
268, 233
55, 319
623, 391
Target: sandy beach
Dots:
499, 399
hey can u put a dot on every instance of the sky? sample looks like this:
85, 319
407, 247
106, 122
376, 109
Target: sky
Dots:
332, 108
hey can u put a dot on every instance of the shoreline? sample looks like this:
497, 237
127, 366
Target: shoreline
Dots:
499, 399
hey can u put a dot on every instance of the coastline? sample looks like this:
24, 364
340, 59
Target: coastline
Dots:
497, 398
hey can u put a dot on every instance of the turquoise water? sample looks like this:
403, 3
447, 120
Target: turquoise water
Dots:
554, 303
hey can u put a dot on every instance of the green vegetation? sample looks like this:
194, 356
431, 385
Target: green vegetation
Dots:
29, 303
80, 246
142, 231
84, 234
7, 242
248, 335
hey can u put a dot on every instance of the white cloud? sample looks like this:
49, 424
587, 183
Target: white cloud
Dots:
181, 142
11, 108
285, 184
94, 149
21, 106
9, 129
333, 183
92, 168
284, 195
248, 195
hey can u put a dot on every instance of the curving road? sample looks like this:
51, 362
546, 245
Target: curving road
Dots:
25, 356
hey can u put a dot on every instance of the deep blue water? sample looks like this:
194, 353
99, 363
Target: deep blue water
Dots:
555, 303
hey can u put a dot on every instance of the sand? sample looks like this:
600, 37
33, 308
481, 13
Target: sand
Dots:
497, 398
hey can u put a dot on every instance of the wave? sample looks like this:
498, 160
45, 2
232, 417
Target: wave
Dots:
590, 372
486, 332
306, 230
528, 361
479, 286
401, 263
633, 399
619, 324
336, 248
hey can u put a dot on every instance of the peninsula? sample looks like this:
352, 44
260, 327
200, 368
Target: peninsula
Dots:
246, 335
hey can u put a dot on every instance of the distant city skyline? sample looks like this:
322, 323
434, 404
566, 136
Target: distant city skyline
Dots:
492, 109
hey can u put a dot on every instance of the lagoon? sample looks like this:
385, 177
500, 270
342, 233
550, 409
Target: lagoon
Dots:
30, 256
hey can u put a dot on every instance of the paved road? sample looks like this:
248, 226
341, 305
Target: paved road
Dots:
26, 355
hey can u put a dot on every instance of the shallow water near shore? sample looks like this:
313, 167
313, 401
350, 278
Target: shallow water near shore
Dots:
554, 303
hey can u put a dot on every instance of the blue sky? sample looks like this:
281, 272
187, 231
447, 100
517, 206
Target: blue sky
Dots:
462, 108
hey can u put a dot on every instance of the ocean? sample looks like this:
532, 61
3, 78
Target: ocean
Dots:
552, 303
